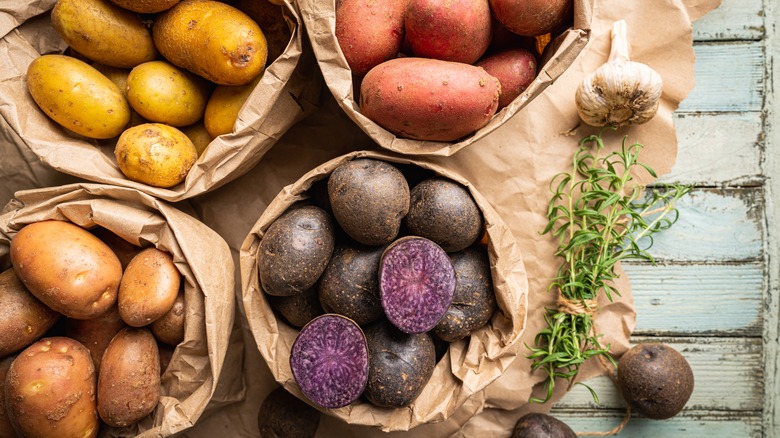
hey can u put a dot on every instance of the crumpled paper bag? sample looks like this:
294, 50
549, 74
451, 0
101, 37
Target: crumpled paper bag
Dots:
289, 90
319, 18
189, 383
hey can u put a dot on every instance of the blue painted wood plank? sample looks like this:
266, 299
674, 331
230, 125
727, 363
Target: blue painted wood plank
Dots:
732, 20
704, 425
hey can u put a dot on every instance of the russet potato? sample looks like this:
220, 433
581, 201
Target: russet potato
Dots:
23, 318
149, 287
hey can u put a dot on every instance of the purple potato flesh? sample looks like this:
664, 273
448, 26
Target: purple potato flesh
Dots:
329, 360
416, 284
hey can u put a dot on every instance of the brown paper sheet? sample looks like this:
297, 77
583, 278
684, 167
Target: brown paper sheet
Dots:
288, 91
203, 258
320, 20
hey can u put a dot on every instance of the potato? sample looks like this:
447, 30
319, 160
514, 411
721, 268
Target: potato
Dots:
23, 318
50, 390
284, 415
369, 32
295, 250
369, 198
95, 333
169, 328
270, 17
298, 309
149, 287
6, 428
155, 154
76, 96
128, 385
166, 355
350, 284
123, 249
429, 99
67, 268
538, 424
452, 30
161, 92
213, 40
103, 32
145, 6
515, 69
532, 17
198, 135
224, 105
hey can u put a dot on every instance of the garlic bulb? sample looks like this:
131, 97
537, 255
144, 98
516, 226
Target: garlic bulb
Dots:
620, 92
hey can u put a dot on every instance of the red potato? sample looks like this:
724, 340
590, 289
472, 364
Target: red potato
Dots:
429, 99
369, 32
532, 17
515, 69
451, 30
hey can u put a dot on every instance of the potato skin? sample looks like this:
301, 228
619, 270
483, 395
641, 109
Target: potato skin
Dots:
50, 390
369, 32
67, 268
23, 318
145, 6
198, 135
429, 99
77, 96
129, 381
103, 32
6, 428
532, 17
149, 287
161, 92
169, 328
224, 105
155, 154
452, 30
96, 333
213, 40
515, 69
270, 17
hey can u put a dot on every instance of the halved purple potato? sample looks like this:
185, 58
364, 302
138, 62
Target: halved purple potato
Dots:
329, 360
399, 365
295, 250
369, 198
350, 284
298, 309
285, 415
444, 211
416, 283
474, 301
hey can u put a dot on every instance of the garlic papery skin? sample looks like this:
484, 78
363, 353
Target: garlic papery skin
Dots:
620, 92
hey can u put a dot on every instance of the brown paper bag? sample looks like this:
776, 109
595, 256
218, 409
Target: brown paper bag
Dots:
320, 20
469, 365
289, 90
204, 260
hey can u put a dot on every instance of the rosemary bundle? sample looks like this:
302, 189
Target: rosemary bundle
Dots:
601, 216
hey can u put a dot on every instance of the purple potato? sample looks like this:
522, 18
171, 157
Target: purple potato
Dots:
416, 283
295, 250
298, 309
369, 198
474, 301
535, 425
350, 284
282, 415
399, 365
443, 211
329, 360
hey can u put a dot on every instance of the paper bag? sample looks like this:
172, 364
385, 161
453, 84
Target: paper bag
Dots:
320, 23
202, 257
469, 365
289, 89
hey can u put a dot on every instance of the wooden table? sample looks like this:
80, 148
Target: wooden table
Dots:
714, 295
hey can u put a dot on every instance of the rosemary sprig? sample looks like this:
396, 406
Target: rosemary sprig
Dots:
601, 216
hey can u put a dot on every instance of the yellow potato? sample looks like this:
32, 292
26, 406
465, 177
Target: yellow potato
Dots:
198, 135
155, 154
67, 268
149, 287
161, 92
103, 32
146, 6
50, 390
75, 95
224, 105
23, 318
213, 40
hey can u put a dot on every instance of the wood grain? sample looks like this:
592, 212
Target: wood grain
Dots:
732, 20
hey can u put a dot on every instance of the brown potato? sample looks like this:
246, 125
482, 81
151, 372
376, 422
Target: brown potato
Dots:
103, 32
23, 318
6, 428
96, 333
129, 381
270, 17
166, 355
369, 33
213, 40
532, 17
155, 154
50, 390
169, 328
67, 268
429, 99
149, 287
145, 6
123, 249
